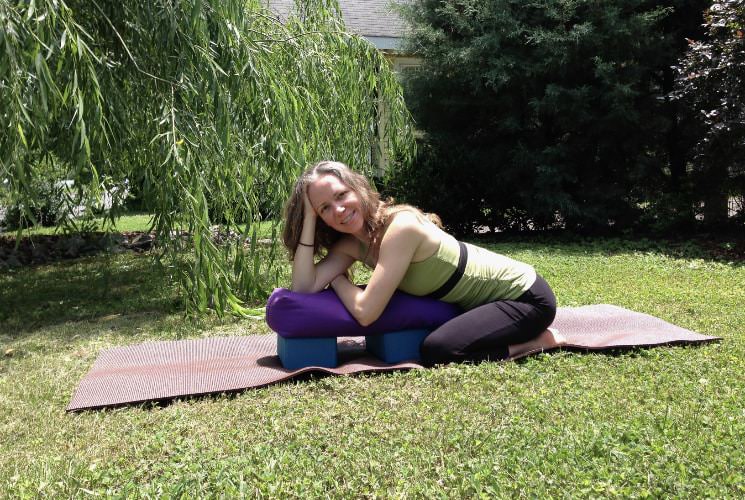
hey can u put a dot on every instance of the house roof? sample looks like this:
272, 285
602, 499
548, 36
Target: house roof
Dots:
376, 20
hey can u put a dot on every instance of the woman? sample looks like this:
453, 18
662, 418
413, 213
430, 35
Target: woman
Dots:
508, 307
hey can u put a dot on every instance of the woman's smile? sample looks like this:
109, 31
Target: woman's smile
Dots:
348, 217
336, 204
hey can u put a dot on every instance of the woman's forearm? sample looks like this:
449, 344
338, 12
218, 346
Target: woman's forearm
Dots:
303, 265
352, 297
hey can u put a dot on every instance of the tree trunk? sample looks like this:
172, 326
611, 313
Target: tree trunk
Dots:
716, 196
676, 148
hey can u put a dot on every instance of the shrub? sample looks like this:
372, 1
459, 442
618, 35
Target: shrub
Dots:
548, 113
48, 205
711, 84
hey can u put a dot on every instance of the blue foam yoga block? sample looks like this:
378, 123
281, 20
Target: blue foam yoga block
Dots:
299, 353
398, 346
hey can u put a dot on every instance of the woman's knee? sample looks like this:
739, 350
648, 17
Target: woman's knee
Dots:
435, 352
544, 301
550, 315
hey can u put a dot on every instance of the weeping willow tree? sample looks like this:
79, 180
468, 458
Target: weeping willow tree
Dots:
212, 107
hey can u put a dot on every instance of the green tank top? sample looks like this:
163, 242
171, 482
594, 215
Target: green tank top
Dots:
488, 276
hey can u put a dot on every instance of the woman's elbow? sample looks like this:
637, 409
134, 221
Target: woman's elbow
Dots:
365, 321
305, 289
305, 286
366, 318
302, 287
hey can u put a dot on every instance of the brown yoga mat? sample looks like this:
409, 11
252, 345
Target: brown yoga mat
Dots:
160, 371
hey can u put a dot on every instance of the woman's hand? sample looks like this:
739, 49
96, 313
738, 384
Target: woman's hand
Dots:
308, 210
307, 276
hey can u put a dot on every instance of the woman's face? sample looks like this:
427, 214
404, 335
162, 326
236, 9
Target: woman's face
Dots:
336, 204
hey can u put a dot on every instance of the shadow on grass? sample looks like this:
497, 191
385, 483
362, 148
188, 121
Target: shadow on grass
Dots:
728, 248
95, 287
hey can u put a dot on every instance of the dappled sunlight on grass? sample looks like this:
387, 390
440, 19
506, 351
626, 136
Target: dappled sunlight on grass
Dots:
92, 287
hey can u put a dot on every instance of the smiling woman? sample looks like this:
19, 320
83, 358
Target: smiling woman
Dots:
335, 213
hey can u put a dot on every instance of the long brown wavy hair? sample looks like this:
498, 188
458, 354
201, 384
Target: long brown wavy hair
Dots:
375, 212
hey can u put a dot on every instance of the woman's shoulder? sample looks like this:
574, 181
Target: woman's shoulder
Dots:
413, 226
406, 222
405, 215
416, 229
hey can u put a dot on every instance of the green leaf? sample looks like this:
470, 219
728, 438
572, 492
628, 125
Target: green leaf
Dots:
22, 135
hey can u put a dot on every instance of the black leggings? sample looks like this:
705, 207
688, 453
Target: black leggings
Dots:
483, 333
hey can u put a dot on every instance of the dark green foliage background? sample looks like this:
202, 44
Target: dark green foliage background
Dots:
710, 84
549, 113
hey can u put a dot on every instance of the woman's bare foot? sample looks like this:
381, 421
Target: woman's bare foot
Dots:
547, 340
559, 339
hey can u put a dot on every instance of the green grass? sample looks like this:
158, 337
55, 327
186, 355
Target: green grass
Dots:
128, 223
650, 422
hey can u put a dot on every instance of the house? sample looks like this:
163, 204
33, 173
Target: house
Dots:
378, 22
375, 20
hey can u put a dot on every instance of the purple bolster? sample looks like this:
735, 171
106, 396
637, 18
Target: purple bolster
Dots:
322, 314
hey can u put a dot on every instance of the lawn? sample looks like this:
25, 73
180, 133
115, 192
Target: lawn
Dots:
131, 222
650, 422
